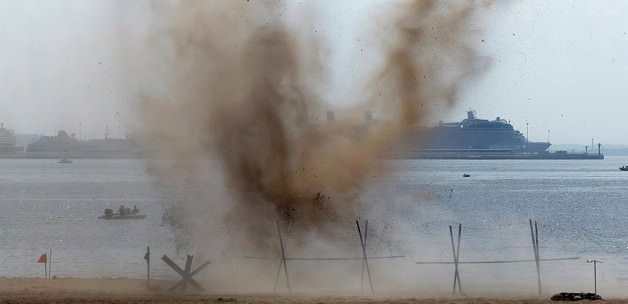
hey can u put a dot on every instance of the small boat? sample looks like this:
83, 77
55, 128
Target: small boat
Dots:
117, 216
623, 168
123, 214
466, 175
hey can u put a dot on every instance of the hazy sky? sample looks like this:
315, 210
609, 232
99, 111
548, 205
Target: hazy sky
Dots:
57, 66
560, 65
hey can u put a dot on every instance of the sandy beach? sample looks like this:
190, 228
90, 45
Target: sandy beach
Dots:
27, 290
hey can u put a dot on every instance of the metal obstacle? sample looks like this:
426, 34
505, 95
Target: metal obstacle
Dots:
365, 258
284, 259
534, 231
456, 255
186, 274
283, 264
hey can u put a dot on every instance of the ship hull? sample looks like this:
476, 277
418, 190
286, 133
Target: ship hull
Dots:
474, 138
496, 155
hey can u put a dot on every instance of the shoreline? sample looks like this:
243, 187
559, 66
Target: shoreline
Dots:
119, 291
86, 286
70, 156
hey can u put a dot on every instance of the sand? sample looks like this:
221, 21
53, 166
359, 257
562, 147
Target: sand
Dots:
121, 291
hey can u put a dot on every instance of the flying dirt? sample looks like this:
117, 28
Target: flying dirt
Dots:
232, 106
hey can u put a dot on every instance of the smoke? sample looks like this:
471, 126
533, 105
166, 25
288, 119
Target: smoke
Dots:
233, 113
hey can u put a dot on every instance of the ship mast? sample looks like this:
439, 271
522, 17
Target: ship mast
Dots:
527, 134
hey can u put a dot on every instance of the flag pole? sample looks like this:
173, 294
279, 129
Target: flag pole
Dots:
50, 264
147, 258
43, 259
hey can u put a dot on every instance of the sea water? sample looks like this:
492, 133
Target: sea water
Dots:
580, 207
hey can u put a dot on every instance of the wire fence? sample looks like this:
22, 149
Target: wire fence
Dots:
286, 260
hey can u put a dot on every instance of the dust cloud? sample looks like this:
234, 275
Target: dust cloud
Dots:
234, 118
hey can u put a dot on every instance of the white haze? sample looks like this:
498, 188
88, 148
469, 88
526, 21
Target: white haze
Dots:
558, 65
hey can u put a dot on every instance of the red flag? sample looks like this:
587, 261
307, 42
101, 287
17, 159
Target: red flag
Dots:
43, 259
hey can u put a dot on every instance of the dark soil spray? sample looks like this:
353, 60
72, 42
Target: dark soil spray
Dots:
234, 118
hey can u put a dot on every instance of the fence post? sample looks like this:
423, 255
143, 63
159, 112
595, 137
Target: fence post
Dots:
456, 258
365, 261
366, 227
50, 265
284, 263
534, 233
595, 262
147, 258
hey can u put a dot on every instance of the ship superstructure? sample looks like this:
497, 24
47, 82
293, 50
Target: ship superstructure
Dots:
474, 138
474, 134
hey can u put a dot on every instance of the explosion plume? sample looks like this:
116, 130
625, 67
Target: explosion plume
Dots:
235, 119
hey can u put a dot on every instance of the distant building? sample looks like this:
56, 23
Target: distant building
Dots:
7, 141
63, 143
60, 143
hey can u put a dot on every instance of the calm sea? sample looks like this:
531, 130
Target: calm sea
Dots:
49, 205
581, 208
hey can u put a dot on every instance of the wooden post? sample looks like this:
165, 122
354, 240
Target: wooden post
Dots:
147, 258
366, 229
453, 249
456, 258
50, 264
534, 233
365, 260
283, 264
595, 262
46, 269
595, 277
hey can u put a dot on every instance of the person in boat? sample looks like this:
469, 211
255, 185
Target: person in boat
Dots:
135, 210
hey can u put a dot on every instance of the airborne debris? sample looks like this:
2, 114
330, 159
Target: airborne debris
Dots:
242, 86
